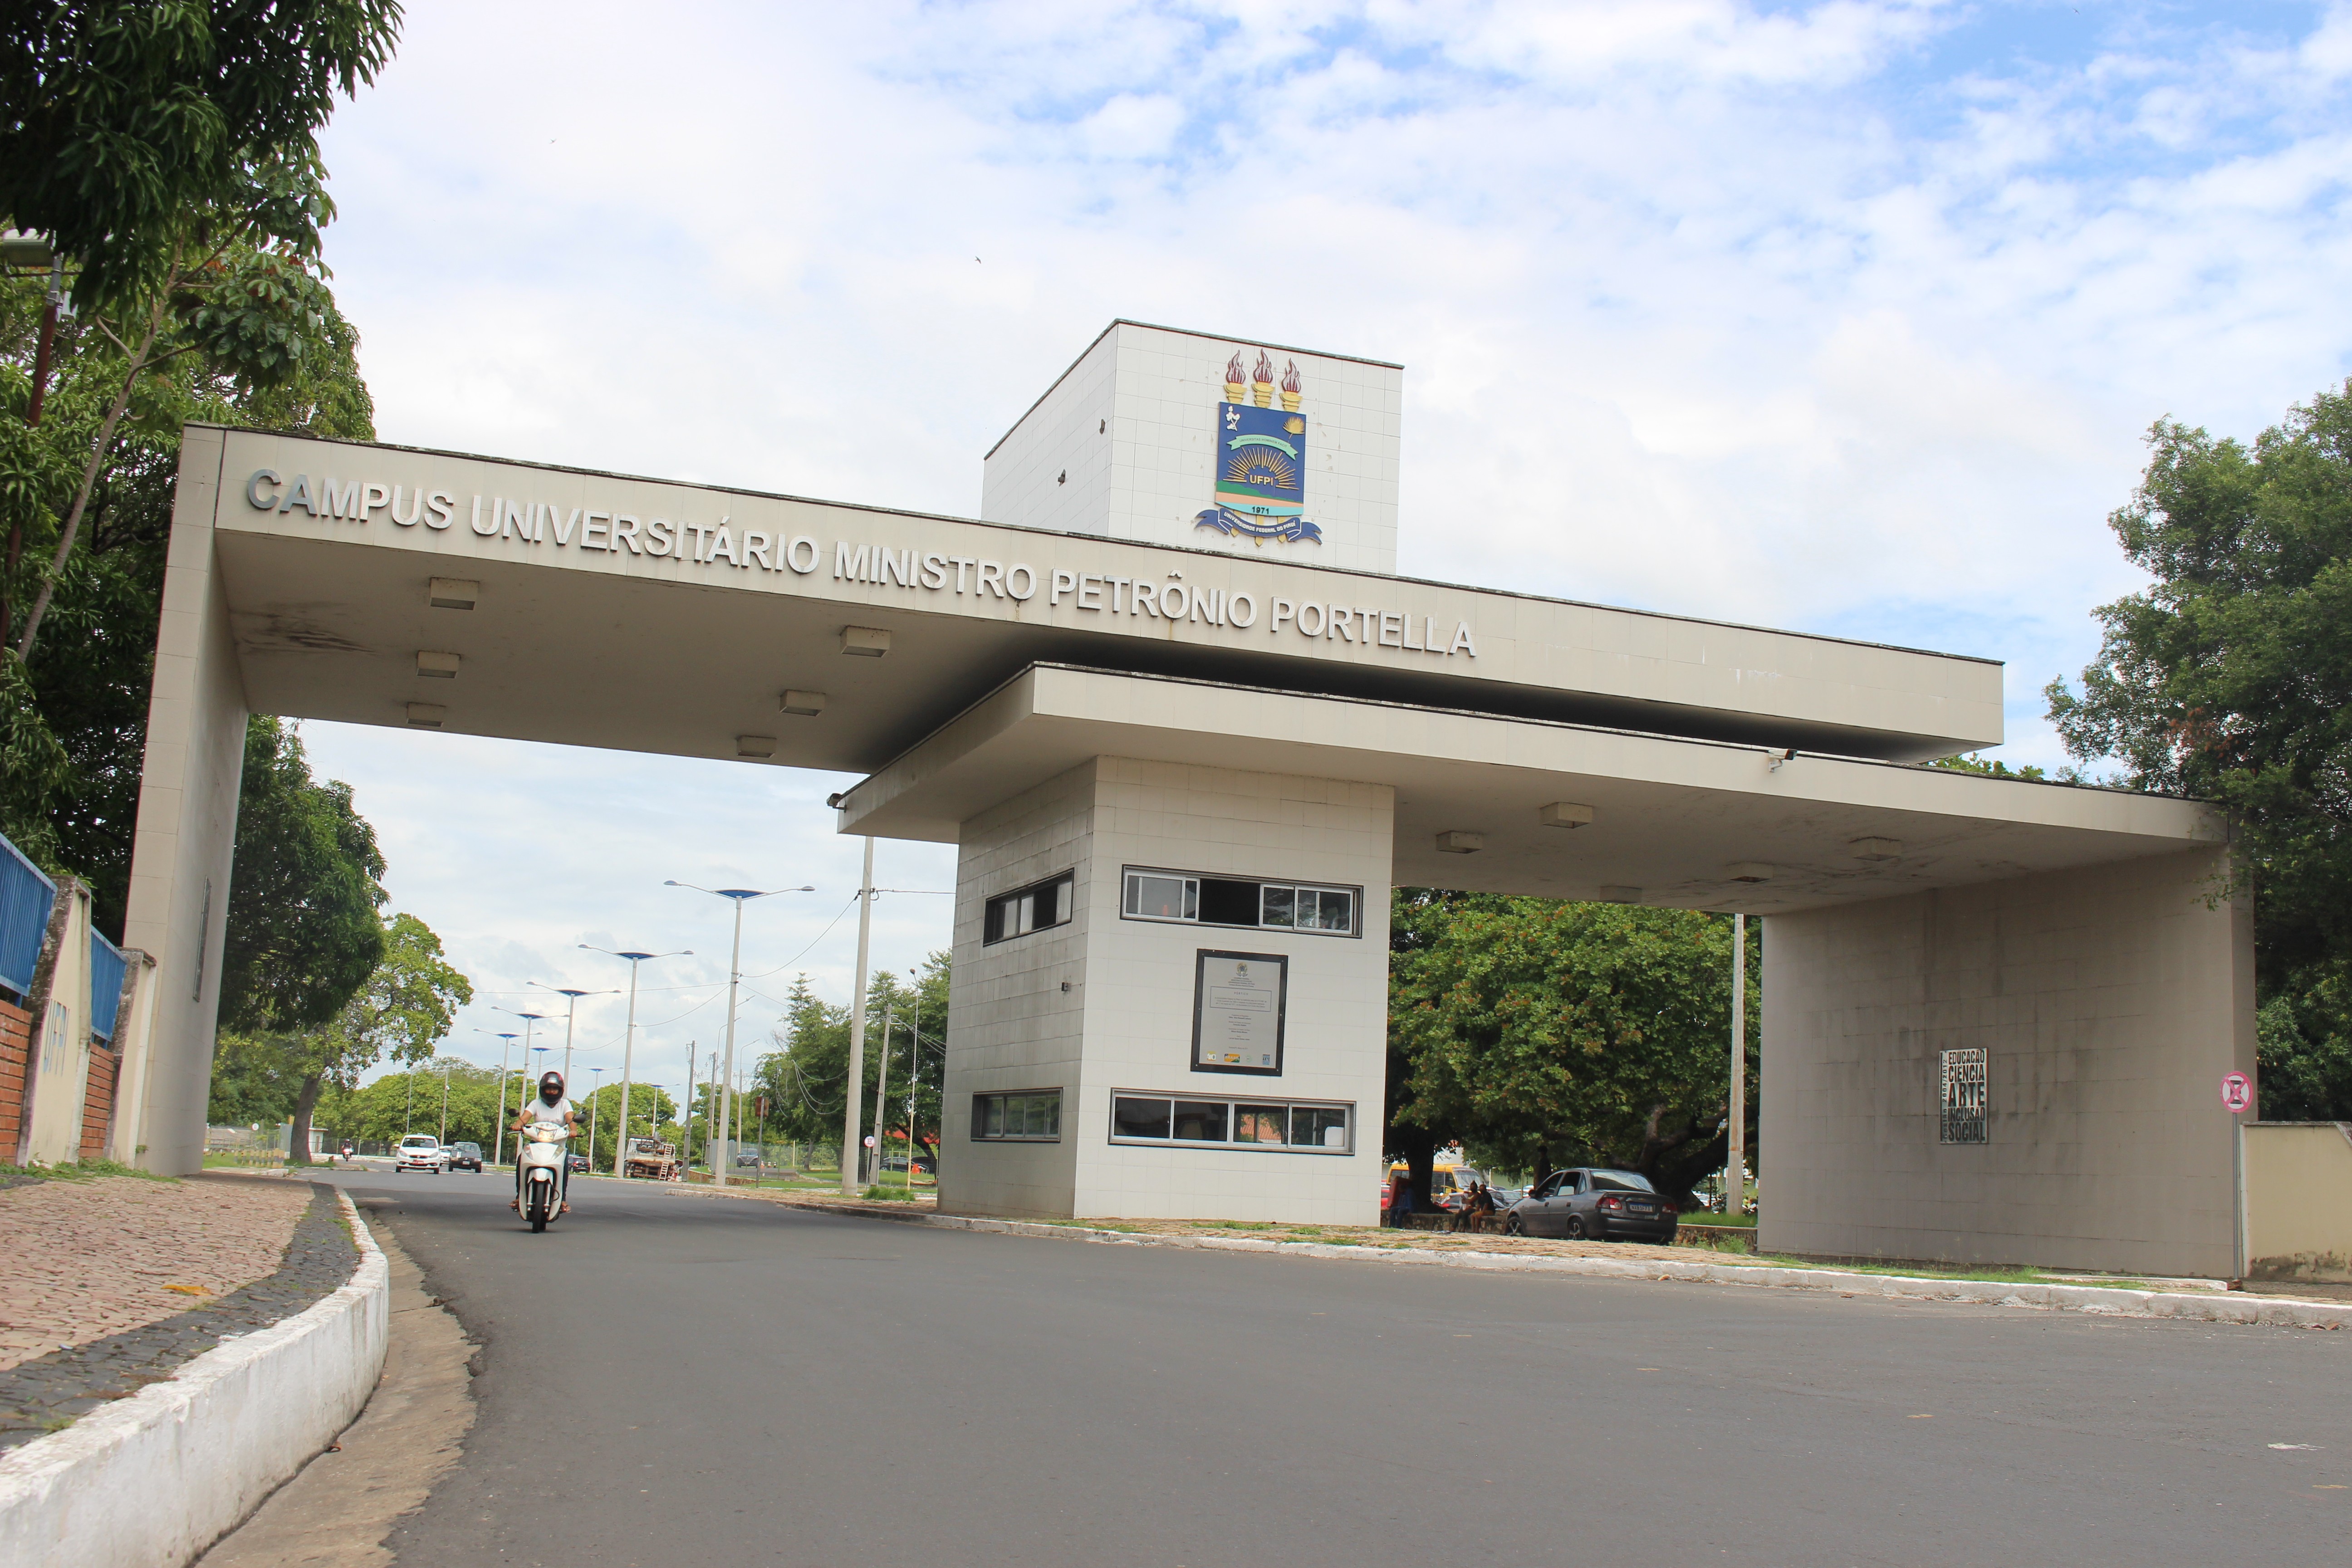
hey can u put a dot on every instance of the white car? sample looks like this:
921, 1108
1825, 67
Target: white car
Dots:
421, 1152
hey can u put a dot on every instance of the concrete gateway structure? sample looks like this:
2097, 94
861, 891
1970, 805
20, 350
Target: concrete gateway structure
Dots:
1187, 729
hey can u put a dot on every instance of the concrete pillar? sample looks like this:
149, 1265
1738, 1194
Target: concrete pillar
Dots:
1101, 1003
2109, 1000
186, 828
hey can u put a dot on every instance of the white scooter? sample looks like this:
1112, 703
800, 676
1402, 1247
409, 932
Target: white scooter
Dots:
542, 1155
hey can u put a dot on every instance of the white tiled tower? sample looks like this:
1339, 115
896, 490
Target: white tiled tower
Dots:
1125, 444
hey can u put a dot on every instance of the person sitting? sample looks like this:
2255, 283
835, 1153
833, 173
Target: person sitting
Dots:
1477, 1209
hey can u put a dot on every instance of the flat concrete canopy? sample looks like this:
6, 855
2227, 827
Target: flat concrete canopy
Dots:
1671, 818
664, 653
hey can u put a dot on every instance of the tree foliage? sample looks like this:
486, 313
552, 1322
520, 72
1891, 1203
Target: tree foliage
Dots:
2229, 678
128, 118
73, 720
303, 934
402, 1010
805, 1076
1540, 1032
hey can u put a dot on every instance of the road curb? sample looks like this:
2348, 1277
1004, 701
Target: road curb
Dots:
2214, 1306
156, 1478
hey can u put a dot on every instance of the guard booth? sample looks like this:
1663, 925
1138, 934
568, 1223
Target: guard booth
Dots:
1187, 728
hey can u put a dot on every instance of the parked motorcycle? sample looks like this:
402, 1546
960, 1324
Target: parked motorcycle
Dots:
542, 1159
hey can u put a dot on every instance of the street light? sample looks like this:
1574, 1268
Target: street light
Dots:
499, 1135
568, 1013
530, 1021
447, 1063
721, 1082
629, 1040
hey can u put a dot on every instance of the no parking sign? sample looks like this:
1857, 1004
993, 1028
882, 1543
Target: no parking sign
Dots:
2236, 1093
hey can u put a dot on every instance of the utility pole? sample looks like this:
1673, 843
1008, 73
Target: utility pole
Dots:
685, 1113
446, 1065
881, 1083
711, 1128
408, 1117
850, 1131
1735, 1166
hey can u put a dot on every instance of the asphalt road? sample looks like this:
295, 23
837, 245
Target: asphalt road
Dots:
669, 1377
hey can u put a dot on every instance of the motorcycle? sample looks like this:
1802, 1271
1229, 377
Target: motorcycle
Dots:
542, 1158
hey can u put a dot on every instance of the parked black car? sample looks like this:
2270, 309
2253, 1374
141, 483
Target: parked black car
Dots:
1593, 1204
579, 1163
465, 1157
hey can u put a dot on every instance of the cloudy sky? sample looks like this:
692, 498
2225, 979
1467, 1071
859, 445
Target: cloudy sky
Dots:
1845, 317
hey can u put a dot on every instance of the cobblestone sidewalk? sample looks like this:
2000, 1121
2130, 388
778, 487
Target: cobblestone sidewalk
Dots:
90, 1258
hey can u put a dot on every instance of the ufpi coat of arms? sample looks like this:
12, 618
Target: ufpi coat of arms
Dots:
1261, 459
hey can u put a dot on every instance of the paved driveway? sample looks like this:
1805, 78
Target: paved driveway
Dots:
670, 1376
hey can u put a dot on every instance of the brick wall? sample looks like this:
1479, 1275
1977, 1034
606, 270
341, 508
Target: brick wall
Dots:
98, 1100
16, 1054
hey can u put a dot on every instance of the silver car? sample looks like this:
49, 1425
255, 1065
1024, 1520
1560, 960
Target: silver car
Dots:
1590, 1203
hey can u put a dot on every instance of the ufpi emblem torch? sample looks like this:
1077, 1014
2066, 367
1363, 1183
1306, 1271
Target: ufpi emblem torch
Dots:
1261, 457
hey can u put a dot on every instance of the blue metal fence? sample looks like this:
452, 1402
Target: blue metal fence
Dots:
106, 966
27, 898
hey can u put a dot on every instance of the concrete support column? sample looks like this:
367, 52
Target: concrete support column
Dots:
2109, 1001
187, 829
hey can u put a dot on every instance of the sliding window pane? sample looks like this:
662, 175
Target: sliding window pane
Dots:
1278, 904
1200, 1121
1320, 1126
1139, 1117
1260, 1123
1160, 898
1334, 910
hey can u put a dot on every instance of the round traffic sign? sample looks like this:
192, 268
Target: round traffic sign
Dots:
869, 1140
2236, 1093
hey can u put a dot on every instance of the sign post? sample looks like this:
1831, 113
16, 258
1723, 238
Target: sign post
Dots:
2237, 1099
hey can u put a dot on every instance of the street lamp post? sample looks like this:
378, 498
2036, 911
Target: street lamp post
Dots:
530, 1021
499, 1133
629, 1043
723, 1080
569, 1016
849, 1107
447, 1063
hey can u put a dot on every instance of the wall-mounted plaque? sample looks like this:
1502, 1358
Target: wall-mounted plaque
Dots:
1237, 1010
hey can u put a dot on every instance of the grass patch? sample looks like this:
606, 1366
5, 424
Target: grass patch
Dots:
888, 1195
1241, 1223
1703, 1217
83, 1171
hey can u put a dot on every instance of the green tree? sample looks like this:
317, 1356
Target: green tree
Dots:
127, 116
73, 719
1539, 1031
2229, 678
803, 1077
403, 1009
600, 1117
303, 933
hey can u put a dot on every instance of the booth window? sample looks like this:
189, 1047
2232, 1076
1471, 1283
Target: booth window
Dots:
1153, 895
1031, 1116
1289, 1126
1034, 908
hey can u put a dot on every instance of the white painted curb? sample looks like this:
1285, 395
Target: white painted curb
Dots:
2204, 1306
153, 1479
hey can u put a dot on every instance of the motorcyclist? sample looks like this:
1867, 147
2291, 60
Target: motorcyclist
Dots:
550, 1106
347, 1152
